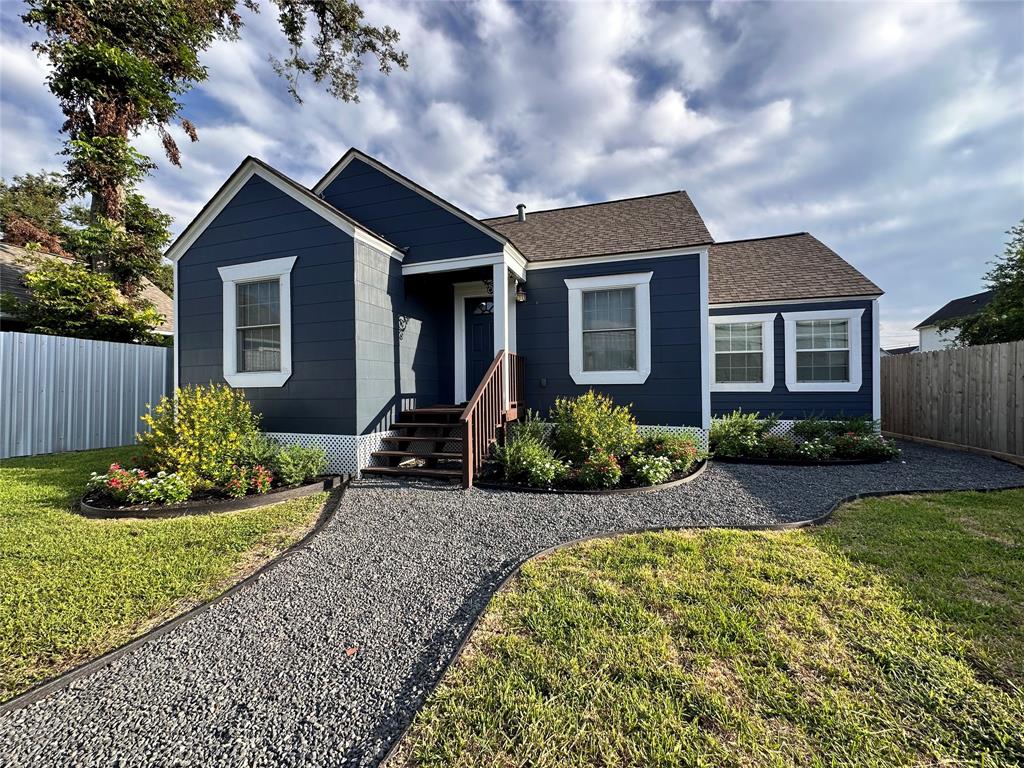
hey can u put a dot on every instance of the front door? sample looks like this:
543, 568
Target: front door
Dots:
479, 341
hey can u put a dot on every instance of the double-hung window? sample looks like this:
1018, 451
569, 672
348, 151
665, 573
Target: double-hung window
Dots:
743, 353
257, 323
610, 329
823, 351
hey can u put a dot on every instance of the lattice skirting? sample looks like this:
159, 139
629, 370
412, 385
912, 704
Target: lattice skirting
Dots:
346, 454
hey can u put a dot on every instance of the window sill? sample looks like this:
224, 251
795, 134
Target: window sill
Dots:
824, 386
610, 377
261, 379
752, 386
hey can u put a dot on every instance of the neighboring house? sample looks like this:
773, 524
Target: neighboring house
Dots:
347, 310
931, 338
16, 262
899, 350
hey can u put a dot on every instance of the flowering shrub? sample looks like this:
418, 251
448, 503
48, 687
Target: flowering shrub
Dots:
134, 486
650, 470
860, 446
525, 459
775, 447
599, 470
680, 450
242, 479
162, 488
816, 449
198, 438
591, 424
117, 484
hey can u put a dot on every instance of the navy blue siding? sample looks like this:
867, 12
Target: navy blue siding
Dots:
798, 405
672, 393
263, 223
404, 216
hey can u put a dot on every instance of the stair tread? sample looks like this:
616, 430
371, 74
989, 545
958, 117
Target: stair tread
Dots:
409, 424
436, 409
415, 455
421, 439
414, 471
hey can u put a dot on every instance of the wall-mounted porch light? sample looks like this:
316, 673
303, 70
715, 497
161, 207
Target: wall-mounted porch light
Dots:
520, 293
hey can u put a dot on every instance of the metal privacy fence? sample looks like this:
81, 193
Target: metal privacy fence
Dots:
972, 396
59, 394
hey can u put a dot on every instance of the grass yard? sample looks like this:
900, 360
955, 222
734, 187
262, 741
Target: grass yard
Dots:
892, 636
73, 588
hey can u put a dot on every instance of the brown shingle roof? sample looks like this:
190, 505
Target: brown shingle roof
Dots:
16, 261
784, 267
668, 220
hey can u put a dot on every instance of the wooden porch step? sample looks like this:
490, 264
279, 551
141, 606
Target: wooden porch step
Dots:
414, 455
419, 439
444, 474
412, 424
434, 409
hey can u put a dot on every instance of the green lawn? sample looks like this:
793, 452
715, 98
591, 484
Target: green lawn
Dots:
892, 636
72, 588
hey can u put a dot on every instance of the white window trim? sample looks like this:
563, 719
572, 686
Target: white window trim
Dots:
767, 382
856, 373
641, 281
244, 273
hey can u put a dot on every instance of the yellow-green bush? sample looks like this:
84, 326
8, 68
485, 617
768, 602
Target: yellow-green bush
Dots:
198, 436
591, 424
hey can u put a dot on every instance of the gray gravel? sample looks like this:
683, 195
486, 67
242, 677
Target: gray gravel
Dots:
263, 678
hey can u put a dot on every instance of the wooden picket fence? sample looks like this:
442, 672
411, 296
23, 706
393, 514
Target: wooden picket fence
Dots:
970, 397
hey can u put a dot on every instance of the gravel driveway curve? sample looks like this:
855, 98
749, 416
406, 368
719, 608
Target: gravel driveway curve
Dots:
263, 678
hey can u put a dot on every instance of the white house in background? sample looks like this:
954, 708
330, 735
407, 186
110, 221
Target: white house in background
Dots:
931, 338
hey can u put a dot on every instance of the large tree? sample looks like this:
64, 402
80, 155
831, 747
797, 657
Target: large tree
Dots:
1002, 319
119, 67
32, 210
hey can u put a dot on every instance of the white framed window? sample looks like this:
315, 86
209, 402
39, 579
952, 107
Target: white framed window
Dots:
823, 350
258, 323
742, 353
610, 328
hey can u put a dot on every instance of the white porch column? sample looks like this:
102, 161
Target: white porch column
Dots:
501, 307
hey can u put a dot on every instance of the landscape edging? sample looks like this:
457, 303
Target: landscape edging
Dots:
797, 524
208, 507
46, 687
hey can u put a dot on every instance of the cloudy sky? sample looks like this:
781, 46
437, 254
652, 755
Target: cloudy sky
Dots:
894, 133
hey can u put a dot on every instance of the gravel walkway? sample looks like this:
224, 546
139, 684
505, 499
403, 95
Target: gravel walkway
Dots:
263, 678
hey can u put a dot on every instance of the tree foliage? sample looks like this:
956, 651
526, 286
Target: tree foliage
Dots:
119, 67
68, 299
32, 210
1002, 319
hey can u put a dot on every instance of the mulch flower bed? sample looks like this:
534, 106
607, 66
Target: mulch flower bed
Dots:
99, 506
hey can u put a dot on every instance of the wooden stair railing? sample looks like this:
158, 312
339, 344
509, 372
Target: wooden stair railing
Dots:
485, 415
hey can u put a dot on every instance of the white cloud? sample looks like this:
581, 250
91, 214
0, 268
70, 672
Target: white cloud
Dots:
895, 132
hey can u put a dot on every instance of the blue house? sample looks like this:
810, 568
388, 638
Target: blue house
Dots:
372, 318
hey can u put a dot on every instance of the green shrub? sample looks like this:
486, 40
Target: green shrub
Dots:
198, 434
739, 434
680, 450
858, 446
161, 488
777, 447
526, 459
815, 449
599, 470
812, 428
117, 483
257, 450
530, 427
295, 464
592, 424
649, 470
857, 425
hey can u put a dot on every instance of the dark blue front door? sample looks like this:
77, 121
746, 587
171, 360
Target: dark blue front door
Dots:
479, 341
